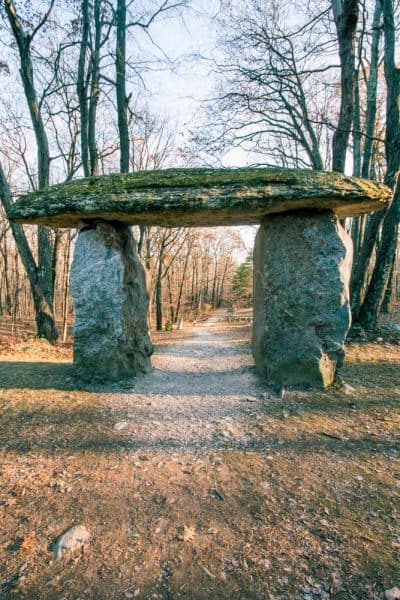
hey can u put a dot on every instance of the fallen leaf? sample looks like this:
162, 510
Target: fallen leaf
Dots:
186, 534
29, 541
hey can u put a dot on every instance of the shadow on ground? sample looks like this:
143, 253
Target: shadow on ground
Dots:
214, 487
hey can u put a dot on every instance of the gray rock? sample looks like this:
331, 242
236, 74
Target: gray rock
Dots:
348, 389
198, 197
302, 265
111, 338
225, 433
121, 425
71, 540
392, 594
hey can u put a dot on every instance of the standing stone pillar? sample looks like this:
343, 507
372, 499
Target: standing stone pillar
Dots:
302, 265
111, 338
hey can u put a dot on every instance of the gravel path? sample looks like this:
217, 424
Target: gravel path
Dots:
200, 394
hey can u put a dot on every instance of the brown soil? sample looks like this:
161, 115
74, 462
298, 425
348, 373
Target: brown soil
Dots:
212, 487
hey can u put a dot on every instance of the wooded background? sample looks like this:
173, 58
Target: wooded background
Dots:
304, 85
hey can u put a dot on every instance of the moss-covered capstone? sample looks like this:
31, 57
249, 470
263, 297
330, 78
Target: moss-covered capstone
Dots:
198, 197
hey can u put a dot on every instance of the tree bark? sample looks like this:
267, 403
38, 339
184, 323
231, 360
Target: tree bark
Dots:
120, 86
392, 77
94, 90
182, 282
43, 310
389, 289
372, 86
346, 16
360, 266
81, 87
357, 129
387, 248
158, 286
44, 278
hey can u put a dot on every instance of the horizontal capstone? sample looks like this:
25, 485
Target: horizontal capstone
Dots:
198, 197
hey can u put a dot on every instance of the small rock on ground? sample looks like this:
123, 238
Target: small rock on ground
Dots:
393, 594
121, 425
71, 540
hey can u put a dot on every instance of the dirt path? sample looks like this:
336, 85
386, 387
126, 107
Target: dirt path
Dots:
195, 482
198, 395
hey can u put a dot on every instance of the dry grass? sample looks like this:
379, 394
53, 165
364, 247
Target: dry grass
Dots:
307, 508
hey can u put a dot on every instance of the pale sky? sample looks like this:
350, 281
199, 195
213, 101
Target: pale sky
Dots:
180, 92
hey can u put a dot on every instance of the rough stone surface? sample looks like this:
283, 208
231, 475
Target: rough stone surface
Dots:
71, 540
393, 594
198, 197
111, 339
302, 265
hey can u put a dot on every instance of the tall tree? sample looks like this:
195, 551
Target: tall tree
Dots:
92, 40
370, 309
372, 87
345, 14
120, 85
43, 311
365, 229
82, 86
273, 92
44, 275
125, 19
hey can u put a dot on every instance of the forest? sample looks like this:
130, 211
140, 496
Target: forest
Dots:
315, 88
148, 448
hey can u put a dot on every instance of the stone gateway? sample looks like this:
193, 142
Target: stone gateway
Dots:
302, 260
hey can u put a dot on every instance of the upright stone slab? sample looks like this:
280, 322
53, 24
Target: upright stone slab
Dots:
302, 265
111, 338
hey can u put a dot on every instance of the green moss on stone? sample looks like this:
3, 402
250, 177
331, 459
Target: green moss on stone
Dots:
188, 189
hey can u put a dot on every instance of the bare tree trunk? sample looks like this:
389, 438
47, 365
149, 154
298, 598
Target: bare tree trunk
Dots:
44, 272
120, 86
82, 87
159, 301
6, 279
372, 86
387, 248
346, 16
392, 77
214, 286
66, 281
357, 128
364, 241
360, 267
387, 299
171, 299
158, 286
182, 283
43, 309
221, 288
94, 90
